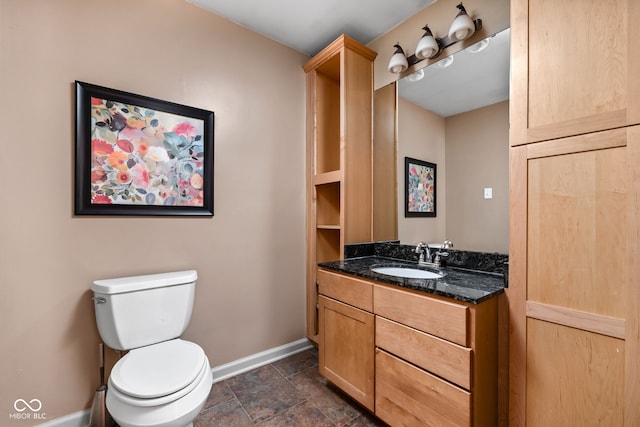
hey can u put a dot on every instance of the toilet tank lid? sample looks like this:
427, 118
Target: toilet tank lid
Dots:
139, 283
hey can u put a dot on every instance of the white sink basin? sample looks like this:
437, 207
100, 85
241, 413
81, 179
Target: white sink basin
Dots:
407, 272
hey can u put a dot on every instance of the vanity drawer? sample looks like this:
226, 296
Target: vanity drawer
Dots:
443, 358
347, 289
437, 317
409, 396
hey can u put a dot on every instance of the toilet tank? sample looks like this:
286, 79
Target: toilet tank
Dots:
136, 311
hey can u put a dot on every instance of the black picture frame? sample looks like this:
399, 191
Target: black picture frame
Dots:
127, 162
420, 184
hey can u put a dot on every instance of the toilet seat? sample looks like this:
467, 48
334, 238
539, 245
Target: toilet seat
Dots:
160, 373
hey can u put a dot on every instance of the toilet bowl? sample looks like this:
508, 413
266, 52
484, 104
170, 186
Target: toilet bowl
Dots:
138, 396
163, 381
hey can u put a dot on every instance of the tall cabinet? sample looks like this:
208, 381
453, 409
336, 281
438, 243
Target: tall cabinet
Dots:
339, 172
574, 292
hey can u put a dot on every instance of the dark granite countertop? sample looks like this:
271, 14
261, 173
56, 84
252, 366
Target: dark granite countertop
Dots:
459, 284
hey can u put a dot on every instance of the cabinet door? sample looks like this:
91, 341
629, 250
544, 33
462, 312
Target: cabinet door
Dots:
574, 281
346, 349
574, 67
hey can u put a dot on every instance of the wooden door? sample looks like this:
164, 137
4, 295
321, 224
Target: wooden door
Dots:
574, 66
346, 349
574, 292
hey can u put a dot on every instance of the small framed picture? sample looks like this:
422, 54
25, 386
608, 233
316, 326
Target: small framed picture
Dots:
136, 155
420, 188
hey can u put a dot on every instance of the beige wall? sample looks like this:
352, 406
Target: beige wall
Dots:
478, 158
249, 256
421, 135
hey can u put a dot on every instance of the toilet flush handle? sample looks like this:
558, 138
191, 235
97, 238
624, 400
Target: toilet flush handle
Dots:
99, 300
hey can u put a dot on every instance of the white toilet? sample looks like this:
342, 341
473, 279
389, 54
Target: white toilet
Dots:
163, 381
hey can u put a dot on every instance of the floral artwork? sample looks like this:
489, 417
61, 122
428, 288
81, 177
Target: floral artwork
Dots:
420, 183
139, 155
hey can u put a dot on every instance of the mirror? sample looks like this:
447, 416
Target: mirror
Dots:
455, 113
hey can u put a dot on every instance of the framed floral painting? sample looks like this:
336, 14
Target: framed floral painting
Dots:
420, 188
137, 155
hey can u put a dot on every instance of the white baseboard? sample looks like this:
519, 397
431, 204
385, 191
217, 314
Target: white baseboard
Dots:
219, 373
77, 419
257, 360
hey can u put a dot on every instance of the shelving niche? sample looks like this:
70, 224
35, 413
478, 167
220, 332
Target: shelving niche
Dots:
339, 137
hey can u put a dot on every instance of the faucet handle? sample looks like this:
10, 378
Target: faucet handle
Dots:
420, 247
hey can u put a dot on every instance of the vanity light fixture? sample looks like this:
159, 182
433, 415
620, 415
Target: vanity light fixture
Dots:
462, 26
398, 62
430, 47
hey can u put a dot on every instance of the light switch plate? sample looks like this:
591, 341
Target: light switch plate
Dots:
488, 193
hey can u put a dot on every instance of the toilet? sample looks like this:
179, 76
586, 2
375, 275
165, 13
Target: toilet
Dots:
163, 380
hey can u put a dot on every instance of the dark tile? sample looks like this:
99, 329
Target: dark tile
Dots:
304, 414
264, 392
296, 363
338, 407
253, 378
220, 392
366, 420
227, 414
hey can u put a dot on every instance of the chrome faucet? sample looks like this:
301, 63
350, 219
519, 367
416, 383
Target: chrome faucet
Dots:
425, 254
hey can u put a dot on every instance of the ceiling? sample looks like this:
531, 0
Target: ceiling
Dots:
309, 25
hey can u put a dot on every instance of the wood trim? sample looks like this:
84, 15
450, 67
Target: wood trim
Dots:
483, 336
581, 125
633, 66
311, 294
385, 188
516, 293
519, 87
632, 344
604, 325
581, 143
503, 361
356, 92
343, 41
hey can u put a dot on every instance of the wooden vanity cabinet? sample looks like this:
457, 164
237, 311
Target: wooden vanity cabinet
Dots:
436, 360
346, 338
433, 361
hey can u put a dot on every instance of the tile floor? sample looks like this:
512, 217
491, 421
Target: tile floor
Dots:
289, 392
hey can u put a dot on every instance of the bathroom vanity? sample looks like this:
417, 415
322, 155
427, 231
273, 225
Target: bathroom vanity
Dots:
412, 351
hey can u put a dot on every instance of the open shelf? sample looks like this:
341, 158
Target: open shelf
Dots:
327, 245
328, 116
328, 205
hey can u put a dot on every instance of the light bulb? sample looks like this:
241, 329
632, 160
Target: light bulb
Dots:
428, 46
398, 62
